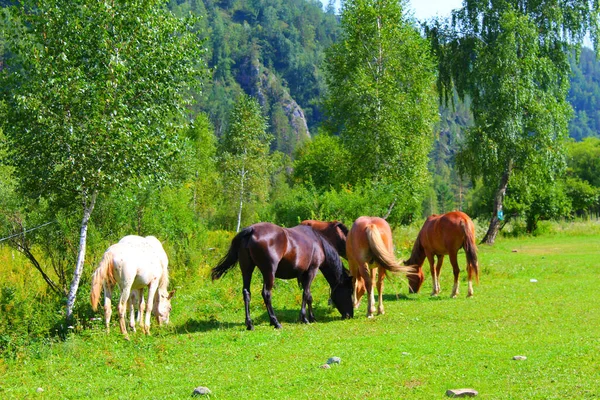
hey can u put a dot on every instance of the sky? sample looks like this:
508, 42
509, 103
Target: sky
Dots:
425, 9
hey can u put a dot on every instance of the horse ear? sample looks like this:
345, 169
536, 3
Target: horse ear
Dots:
171, 294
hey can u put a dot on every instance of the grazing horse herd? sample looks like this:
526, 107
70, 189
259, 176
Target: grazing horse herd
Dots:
291, 253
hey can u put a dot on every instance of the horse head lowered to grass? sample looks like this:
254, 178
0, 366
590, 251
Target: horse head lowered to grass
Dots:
441, 235
287, 253
134, 263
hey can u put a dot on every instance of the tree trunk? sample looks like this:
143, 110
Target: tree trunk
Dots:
494, 227
87, 211
239, 219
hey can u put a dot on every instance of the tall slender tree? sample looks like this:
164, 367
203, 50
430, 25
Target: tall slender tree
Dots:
381, 97
96, 94
245, 155
511, 58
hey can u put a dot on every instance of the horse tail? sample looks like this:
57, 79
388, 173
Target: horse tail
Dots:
470, 247
103, 273
231, 258
381, 254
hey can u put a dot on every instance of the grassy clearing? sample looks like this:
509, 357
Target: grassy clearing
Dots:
420, 348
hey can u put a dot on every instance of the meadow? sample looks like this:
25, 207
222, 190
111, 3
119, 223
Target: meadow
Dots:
537, 297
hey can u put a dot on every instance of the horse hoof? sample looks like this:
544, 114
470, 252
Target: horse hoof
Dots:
250, 327
277, 326
126, 337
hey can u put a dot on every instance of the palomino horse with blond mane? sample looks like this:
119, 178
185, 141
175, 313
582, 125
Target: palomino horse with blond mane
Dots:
369, 245
444, 235
134, 263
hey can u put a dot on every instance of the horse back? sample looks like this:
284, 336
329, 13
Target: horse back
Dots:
135, 265
446, 233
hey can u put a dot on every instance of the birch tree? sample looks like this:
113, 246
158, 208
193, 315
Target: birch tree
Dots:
511, 59
382, 99
96, 94
245, 155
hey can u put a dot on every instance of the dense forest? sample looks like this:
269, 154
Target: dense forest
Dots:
213, 115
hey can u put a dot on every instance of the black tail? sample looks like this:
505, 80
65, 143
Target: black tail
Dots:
231, 258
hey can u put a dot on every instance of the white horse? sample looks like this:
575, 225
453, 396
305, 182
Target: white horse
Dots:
134, 263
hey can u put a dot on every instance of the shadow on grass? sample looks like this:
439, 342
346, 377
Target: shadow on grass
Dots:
195, 325
285, 316
399, 296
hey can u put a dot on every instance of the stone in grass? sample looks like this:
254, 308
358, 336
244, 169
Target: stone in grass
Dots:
334, 360
461, 392
201, 391
519, 358
325, 366
40, 390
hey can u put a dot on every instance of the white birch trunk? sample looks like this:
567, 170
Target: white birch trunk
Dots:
239, 219
87, 212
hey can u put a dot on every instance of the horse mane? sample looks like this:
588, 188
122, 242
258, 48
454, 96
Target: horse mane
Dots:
335, 268
418, 253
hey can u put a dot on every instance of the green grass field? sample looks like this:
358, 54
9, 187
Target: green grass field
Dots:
420, 348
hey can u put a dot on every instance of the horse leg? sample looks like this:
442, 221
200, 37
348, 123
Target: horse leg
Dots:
152, 288
434, 277
107, 306
247, 266
470, 275
131, 308
307, 299
356, 282
438, 270
456, 271
380, 277
141, 308
269, 281
365, 273
122, 310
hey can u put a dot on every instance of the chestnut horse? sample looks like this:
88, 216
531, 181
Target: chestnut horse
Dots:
441, 235
287, 253
369, 245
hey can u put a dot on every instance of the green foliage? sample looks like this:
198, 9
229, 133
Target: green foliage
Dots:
94, 96
25, 321
584, 197
381, 97
517, 77
279, 41
244, 158
584, 160
584, 95
324, 161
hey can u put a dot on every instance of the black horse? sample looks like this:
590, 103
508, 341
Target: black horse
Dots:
287, 253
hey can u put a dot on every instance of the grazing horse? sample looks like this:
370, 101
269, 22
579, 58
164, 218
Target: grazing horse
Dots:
441, 235
334, 231
134, 263
370, 244
287, 253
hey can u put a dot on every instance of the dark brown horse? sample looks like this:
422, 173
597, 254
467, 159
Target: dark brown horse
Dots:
441, 235
369, 245
287, 253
